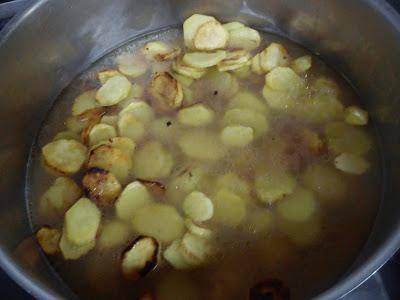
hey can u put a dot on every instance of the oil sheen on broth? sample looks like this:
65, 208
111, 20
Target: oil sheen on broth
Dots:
264, 171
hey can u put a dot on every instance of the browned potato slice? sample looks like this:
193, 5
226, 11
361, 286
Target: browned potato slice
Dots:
48, 239
114, 90
101, 186
166, 92
210, 36
181, 68
65, 156
160, 51
84, 102
103, 76
140, 257
243, 37
110, 158
192, 25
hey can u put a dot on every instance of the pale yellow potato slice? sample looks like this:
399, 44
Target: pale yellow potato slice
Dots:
124, 144
248, 118
181, 68
166, 92
355, 115
67, 135
244, 71
131, 127
284, 79
140, 110
234, 59
103, 76
114, 90
140, 258
302, 64
131, 65
113, 234
203, 59
273, 184
136, 93
196, 115
70, 250
195, 229
101, 132
222, 84
275, 55
237, 136
185, 81
113, 159
249, 100
192, 25
210, 36
134, 196
48, 239
110, 120
152, 161
198, 207
244, 38
64, 156
84, 102
256, 65
229, 208
351, 163
195, 250
165, 129
173, 255
60, 196
160, 221
82, 221
202, 145
233, 25
300, 206
346, 138
233, 183
160, 51
101, 186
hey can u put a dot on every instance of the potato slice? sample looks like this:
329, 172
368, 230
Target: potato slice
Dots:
166, 92
233, 183
195, 250
284, 79
131, 127
275, 55
246, 99
185, 81
247, 118
202, 145
140, 110
278, 99
244, 71
243, 37
192, 25
196, 115
160, 51
110, 120
82, 221
302, 64
140, 258
181, 68
173, 255
351, 163
355, 115
256, 65
161, 221
203, 59
152, 161
237, 136
64, 156
210, 36
103, 76
84, 102
48, 239
165, 129
101, 132
114, 90
274, 184
300, 206
61, 195
234, 59
124, 144
229, 208
113, 234
198, 207
134, 196
67, 135
70, 250
233, 25
136, 93
131, 65
101, 186
197, 230
221, 84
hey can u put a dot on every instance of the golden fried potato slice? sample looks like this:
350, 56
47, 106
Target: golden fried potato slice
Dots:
48, 239
166, 92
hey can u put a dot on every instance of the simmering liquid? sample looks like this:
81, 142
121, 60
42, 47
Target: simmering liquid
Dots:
260, 239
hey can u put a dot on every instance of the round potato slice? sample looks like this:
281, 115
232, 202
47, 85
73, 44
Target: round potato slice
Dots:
283, 79
191, 26
233, 183
237, 136
181, 68
233, 25
160, 51
140, 110
129, 126
244, 38
203, 59
84, 102
351, 163
198, 207
103, 76
67, 135
65, 156
196, 115
131, 65
210, 36
166, 92
300, 206
110, 120
247, 118
114, 90
229, 208
246, 99
197, 230
195, 250
173, 255
101, 132
161, 221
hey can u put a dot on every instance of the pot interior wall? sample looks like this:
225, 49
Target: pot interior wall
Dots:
56, 40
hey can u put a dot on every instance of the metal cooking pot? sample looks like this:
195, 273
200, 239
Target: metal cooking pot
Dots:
44, 48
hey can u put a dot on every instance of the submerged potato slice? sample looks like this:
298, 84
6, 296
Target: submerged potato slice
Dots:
160, 51
152, 161
351, 163
103, 76
67, 135
140, 258
70, 250
355, 115
65, 156
161, 221
246, 99
197, 230
244, 71
243, 37
113, 234
210, 36
247, 118
275, 55
101, 132
203, 59
173, 255
198, 207
166, 92
84, 102
109, 120
234, 59
48, 239
114, 90
237, 136
278, 99
82, 221
140, 110
191, 26
101, 186
229, 208
196, 115
165, 129
221, 84
183, 69
300, 206
195, 250
283, 79
134, 196
233, 183
131, 65
256, 65
131, 127
124, 144
202, 145
260, 221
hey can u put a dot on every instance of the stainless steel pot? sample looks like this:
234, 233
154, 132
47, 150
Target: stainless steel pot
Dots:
54, 40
